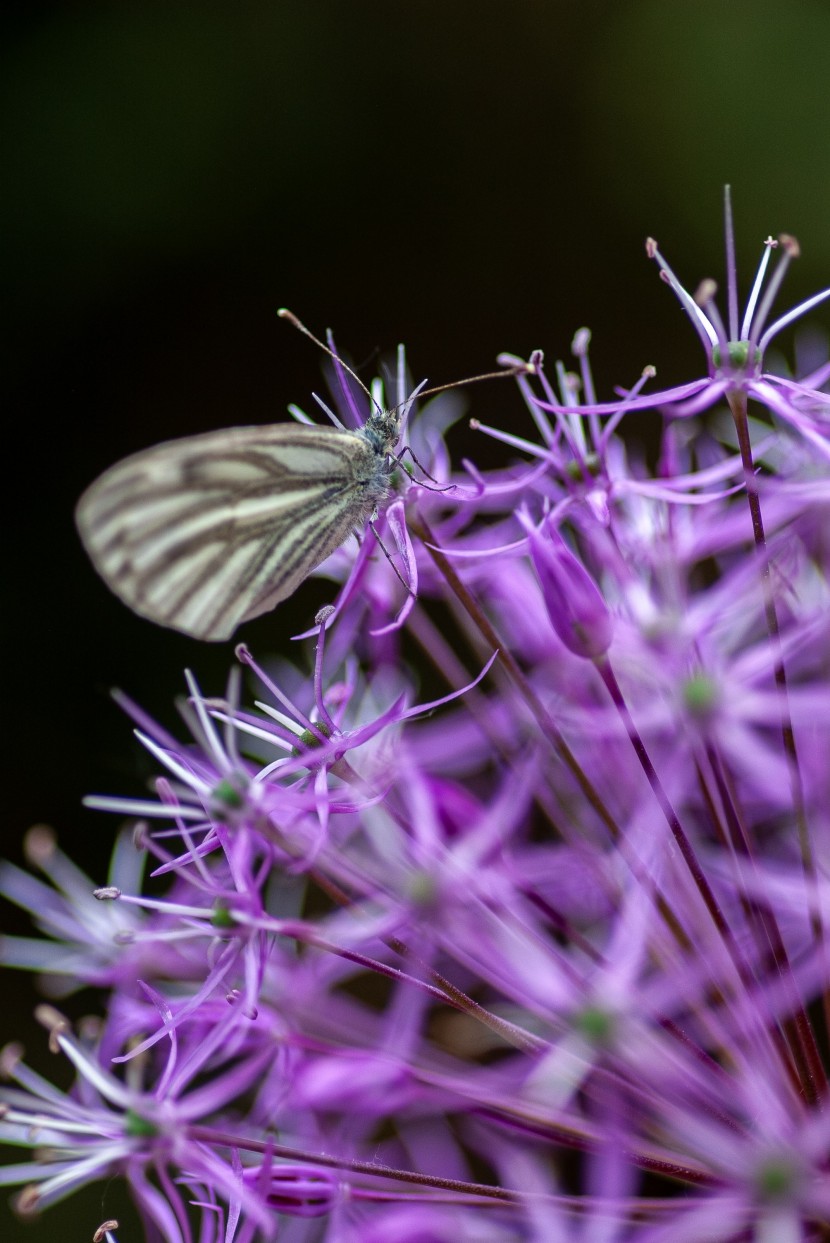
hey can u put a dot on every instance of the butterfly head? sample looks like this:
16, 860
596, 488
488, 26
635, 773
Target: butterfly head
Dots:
383, 430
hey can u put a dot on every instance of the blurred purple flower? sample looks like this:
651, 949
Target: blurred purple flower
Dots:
524, 948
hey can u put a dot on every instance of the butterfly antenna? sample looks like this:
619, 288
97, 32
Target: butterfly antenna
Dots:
532, 367
528, 368
284, 313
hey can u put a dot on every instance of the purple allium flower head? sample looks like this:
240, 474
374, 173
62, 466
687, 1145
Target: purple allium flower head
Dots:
111, 1126
500, 914
735, 351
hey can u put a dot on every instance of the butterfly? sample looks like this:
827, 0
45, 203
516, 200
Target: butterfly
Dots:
204, 533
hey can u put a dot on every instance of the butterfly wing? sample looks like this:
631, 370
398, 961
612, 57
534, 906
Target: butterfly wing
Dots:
203, 533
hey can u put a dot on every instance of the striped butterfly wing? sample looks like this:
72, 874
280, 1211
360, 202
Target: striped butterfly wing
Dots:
203, 533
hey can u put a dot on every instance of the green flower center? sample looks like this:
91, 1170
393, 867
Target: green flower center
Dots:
700, 695
737, 355
598, 1026
308, 740
226, 794
777, 1178
137, 1127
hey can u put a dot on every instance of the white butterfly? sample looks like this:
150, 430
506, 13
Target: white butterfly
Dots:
204, 533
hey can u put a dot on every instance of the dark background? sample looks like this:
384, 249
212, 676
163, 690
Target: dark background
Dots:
461, 175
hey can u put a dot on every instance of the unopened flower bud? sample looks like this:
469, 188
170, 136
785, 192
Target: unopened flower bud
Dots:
576, 609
